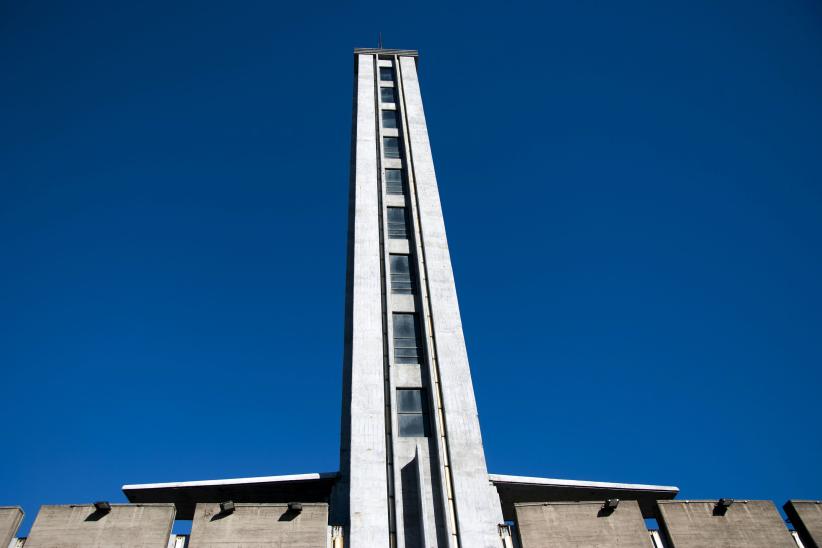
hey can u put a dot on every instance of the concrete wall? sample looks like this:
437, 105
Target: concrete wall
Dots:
746, 524
10, 518
806, 516
581, 524
80, 526
260, 525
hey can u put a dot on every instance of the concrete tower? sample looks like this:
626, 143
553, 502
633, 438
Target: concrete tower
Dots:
412, 465
413, 470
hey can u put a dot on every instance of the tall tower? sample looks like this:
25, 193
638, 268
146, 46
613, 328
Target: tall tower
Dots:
412, 466
413, 471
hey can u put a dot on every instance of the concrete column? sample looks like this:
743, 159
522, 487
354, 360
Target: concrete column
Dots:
363, 488
478, 510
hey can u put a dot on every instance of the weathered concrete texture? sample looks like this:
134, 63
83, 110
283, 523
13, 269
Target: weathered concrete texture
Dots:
806, 516
478, 507
581, 524
362, 493
10, 518
81, 526
746, 524
260, 526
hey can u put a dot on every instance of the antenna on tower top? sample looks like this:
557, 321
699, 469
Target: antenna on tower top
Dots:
379, 41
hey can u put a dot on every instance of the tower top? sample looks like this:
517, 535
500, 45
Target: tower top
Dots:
384, 51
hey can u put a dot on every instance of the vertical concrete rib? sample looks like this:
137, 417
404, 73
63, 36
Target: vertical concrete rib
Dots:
363, 446
478, 510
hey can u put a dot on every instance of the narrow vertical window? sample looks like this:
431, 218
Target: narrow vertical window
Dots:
387, 95
389, 119
391, 146
397, 224
386, 74
401, 280
406, 339
412, 417
393, 181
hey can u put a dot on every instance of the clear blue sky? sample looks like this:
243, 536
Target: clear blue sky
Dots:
633, 193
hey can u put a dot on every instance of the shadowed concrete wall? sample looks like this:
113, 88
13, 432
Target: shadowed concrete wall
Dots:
806, 516
81, 526
581, 524
746, 524
260, 525
10, 518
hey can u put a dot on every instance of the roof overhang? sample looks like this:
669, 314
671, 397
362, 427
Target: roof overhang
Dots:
272, 489
516, 489
317, 488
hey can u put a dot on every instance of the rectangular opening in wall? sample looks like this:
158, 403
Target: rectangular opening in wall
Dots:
412, 414
386, 74
393, 181
387, 95
389, 119
401, 279
406, 339
397, 223
391, 147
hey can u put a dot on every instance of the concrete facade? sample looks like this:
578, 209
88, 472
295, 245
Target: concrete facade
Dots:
580, 525
745, 524
81, 526
259, 525
10, 518
806, 516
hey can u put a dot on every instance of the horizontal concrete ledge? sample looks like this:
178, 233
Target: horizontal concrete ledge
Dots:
562, 503
522, 489
185, 495
382, 51
499, 478
706, 501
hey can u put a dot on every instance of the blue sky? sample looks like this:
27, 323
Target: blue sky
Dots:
633, 194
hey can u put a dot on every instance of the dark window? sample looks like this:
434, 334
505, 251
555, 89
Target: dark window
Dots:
411, 414
406, 338
397, 224
393, 181
401, 280
387, 95
386, 74
389, 119
391, 146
